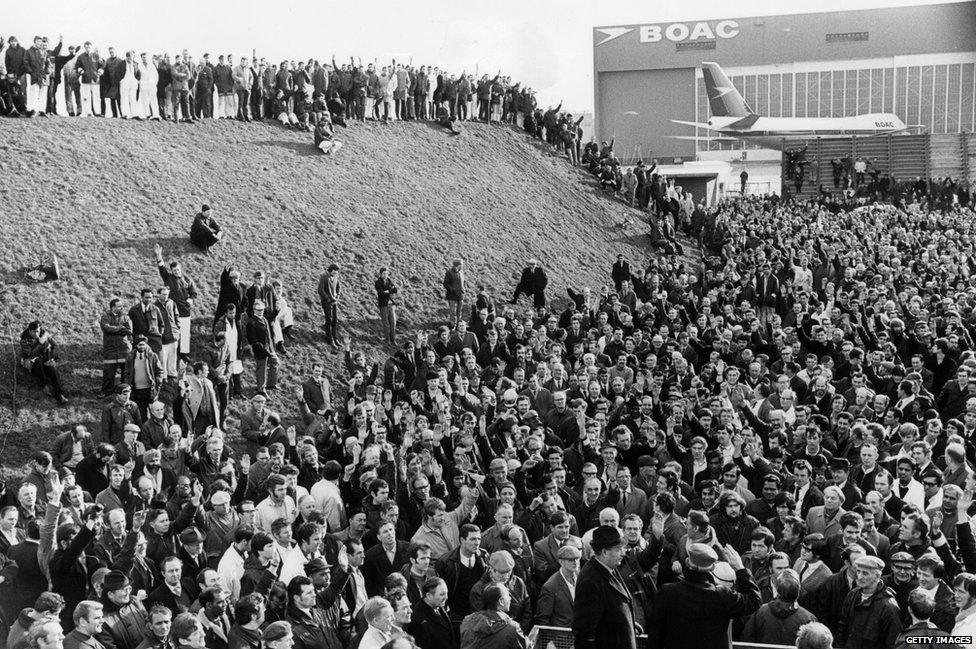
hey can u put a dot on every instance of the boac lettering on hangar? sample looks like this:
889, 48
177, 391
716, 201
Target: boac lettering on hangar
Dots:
675, 32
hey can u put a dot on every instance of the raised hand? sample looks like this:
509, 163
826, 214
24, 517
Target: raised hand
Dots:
138, 520
158, 249
732, 557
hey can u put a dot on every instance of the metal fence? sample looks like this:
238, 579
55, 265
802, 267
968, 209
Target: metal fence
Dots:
556, 637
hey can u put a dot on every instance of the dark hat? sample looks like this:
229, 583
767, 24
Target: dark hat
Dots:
115, 580
605, 536
315, 566
205, 208
191, 536
840, 464
646, 460
141, 339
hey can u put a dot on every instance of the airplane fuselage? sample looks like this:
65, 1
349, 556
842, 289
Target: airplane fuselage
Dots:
770, 131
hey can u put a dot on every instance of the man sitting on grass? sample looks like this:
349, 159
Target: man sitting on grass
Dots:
205, 231
325, 136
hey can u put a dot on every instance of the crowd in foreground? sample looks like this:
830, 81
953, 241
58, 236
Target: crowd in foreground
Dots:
777, 449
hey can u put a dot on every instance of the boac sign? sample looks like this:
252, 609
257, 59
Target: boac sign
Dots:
679, 32
675, 32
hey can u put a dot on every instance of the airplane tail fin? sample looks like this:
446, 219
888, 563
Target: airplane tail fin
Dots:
723, 98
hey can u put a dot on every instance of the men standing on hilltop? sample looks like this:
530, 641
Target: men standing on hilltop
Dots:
329, 291
183, 291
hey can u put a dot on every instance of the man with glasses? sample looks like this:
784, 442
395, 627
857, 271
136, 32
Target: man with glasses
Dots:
125, 622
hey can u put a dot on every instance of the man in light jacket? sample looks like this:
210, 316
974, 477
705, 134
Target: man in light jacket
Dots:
242, 88
129, 87
148, 78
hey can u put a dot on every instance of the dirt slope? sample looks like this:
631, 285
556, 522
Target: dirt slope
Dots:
100, 193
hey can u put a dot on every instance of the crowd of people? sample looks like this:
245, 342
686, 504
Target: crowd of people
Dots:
777, 447
38, 80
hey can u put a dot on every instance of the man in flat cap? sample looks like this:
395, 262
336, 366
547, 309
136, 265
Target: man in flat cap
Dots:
501, 570
869, 618
902, 581
555, 606
603, 613
696, 612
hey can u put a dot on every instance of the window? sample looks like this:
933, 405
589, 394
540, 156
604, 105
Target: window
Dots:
847, 37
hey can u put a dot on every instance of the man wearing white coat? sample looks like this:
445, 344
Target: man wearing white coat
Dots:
129, 87
148, 78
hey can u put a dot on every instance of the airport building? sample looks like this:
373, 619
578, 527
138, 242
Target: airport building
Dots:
917, 62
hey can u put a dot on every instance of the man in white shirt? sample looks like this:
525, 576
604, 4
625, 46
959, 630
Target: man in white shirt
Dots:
357, 582
277, 505
231, 565
328, 499
906, 487
148, 78
379, 616
304, 549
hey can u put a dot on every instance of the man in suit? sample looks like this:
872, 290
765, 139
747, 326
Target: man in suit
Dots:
260, 338
555, 605
620, 272
540, 398
88, 619
430, 624
545, 551
626, 498
603, 612
329, 292
147, 320
171, 593
825, 519
806, 495
532, 282
840, 468
30, 581
697, 604
317, 391
386, 557
201, 408
767, 293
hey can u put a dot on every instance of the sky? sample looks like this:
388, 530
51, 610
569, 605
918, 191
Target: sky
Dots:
546, 44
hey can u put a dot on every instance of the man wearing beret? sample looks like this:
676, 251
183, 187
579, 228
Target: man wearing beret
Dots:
603, 612
869, 618
695, 612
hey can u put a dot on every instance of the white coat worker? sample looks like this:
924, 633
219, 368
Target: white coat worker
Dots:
148, 78
129, 88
